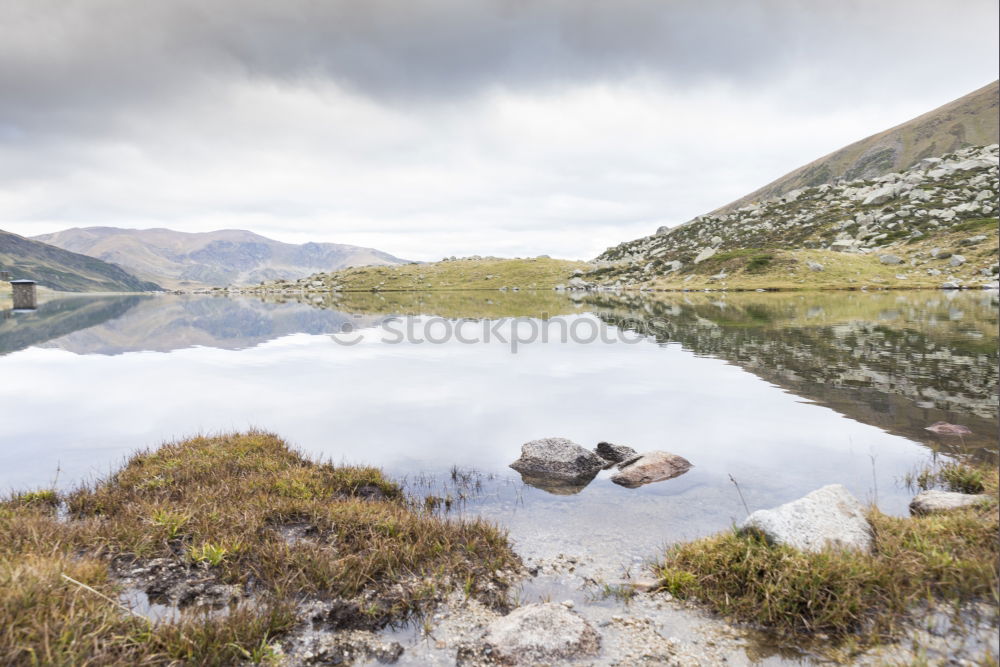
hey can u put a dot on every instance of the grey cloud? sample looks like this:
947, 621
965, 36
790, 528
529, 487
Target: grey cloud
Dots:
67, 62
486, 125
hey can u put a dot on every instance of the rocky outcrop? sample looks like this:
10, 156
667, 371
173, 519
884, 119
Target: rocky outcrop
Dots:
935, 501
650, 467
541, 634
558, 462
614, 453
829, 517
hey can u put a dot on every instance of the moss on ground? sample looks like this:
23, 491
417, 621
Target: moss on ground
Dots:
220, 503
856, 599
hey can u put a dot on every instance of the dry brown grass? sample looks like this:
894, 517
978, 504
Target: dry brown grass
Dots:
857, 599
220, 500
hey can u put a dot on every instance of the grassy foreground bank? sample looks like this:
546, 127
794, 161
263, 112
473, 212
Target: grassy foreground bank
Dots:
854, 599
218, 511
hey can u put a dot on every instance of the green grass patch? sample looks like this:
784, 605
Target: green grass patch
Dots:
750, 260
759, 263
40, 498
953, 476
977, 225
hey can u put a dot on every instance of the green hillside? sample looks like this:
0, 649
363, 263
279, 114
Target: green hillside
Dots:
62, 270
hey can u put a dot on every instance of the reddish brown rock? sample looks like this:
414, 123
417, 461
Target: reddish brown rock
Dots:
944, 428
650, 467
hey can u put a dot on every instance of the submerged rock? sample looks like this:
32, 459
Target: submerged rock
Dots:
558, 460
343, 648
944, 428
541, 633
614, 453
934, 501
650, 467
828, 517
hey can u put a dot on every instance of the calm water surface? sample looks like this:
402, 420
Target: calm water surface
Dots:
783, 392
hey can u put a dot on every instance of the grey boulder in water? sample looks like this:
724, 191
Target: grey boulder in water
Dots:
557, 459
615, 453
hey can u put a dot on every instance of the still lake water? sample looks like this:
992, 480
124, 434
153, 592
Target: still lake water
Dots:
783, 392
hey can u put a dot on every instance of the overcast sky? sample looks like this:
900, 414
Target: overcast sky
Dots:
451, 127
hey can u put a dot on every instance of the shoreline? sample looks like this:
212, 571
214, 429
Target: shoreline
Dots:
146, 528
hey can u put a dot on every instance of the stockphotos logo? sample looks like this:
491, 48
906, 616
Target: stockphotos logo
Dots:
514, 332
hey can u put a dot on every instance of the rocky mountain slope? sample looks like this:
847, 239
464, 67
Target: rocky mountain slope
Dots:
934, 224
225, 257
968, 121
63, 270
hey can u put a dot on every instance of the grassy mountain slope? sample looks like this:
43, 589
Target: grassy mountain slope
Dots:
455, 274
63, 270
224, 257
971, 120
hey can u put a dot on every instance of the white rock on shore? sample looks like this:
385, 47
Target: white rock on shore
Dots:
935, 501
829, 517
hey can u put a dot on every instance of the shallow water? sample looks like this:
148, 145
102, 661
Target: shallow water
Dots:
783, 393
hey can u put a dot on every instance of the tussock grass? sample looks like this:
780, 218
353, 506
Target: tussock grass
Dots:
854, 598
953, 476
220, 502
45, 619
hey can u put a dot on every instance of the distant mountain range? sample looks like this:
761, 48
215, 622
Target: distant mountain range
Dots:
64, 270
180, 260
972, 120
